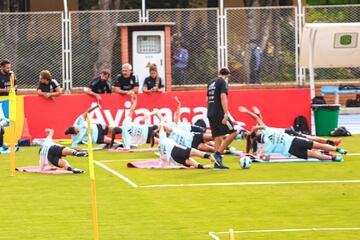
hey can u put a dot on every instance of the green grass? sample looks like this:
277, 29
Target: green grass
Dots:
36, 206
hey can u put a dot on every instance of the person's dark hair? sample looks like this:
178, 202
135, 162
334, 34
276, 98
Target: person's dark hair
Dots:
200, 123
105, 71
70, 130
154, 133
45, 74
116, 130
4, 62
224, 71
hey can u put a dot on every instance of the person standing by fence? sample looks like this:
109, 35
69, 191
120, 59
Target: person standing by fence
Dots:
255, 60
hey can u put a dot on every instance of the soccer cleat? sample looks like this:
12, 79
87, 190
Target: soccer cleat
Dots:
337, 141
342, 151
218, 161
222, 167
81, 154
77, 170
337, 159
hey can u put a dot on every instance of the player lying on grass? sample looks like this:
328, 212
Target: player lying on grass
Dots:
197, 140
79, 131
51, 152
290, 131
133, 133
172, 153
275, 141
185, 125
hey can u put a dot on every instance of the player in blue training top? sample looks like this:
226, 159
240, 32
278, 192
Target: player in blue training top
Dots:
79, 130
275, 141
51, 152
136, 134
172, 153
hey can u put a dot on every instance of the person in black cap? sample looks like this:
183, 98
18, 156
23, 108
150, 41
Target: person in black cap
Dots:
220, 123
99, 85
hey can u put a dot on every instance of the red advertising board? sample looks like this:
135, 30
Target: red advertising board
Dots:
279, 108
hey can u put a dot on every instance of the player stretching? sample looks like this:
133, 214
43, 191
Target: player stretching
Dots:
51, 152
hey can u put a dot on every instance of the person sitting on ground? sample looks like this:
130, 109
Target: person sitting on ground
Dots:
172, 153
153, 83
126, 83
52, 153
99, 85
275, 141
48, 88
79, 131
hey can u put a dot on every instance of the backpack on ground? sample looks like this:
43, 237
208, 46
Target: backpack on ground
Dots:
301, 125
340, 131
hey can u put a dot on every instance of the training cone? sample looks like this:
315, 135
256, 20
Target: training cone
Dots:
25, 133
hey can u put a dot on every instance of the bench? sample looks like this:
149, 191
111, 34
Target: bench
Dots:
335, 90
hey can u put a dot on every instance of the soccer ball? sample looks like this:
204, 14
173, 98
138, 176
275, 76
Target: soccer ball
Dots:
245, 162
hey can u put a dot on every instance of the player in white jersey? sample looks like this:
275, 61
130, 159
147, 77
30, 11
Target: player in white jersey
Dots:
172, 153
186, 126
52, 153
275, 141
133, 133
290, 131
79, 131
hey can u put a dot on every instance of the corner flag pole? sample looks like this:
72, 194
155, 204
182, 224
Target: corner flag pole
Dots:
12, 117
92, 181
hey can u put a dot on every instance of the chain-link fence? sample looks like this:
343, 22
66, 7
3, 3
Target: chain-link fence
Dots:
334, 14
96, 43
32, 42
196, 31
261, 44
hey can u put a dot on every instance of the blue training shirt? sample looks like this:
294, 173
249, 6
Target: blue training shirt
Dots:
276, 141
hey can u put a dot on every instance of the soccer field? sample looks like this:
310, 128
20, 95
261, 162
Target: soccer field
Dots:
183, 204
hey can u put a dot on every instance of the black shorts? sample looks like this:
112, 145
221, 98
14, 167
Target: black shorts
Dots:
290, 131
300, 146
55, 154
180, 154
199, 129
198, 138
103, 130
150, 131
218, 129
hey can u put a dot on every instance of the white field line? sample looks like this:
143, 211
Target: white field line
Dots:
125, 160
353, 154
247, 183
116, 174
213, 234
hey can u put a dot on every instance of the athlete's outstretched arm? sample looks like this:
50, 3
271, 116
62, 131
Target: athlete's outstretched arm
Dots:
253, 115
257, 112
49, 132
133, 105
89, 110
177, 113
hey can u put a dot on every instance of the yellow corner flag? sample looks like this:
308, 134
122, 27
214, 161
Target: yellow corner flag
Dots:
92, 181
12, 118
